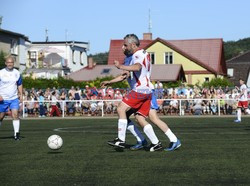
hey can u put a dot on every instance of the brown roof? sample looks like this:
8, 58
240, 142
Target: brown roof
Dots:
159, 72
88, 74
242, 58
207, 53
168, 73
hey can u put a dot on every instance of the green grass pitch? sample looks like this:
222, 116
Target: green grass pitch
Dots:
214, 151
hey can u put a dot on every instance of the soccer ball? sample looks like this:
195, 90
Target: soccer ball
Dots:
55, 142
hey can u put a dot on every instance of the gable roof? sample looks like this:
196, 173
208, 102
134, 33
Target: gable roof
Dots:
115, 50
14, 34
159, 72
242, 58
167, 73
89, 74
208, 53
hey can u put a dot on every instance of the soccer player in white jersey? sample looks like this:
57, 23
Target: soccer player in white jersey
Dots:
139, 97
10, 86
243, 102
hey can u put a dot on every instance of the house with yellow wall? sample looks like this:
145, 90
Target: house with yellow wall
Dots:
201, 59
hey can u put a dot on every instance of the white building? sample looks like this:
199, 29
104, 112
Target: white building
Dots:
55, 59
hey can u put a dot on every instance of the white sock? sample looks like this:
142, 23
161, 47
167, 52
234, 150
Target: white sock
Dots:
132, 130
239, 114
16, 126
122, 126
148, 130
171, 136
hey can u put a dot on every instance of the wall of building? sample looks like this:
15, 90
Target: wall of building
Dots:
159, 49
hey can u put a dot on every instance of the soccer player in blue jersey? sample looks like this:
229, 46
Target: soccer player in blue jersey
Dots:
10, 86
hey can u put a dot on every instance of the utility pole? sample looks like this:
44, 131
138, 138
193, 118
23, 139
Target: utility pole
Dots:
1, 19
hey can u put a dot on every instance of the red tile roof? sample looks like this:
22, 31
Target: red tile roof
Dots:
207, 53
115, 50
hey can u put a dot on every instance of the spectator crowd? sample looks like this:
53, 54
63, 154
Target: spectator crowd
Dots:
172, 101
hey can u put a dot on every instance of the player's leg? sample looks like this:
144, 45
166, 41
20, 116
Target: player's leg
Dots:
238, 120
174, 142
141, 141
149, 131
122, 126
14, 106
2, 114
3, 109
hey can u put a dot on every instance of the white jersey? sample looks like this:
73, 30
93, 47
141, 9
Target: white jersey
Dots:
243, 89
9, 80
139, 81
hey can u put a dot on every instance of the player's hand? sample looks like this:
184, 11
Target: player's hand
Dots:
126, 73
1, 98
117, 64
104, 84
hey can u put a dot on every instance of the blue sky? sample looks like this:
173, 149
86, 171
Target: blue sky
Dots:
98, 21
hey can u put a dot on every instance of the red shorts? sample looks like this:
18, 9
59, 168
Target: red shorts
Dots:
138, 101
243, 104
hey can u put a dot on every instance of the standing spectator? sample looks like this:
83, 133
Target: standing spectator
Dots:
41, 105
54, 108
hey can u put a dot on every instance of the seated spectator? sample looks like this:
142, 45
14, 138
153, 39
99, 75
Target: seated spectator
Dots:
70, 107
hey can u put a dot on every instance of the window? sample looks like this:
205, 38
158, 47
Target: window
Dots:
152, 57
206, 79
168, 57
81, 56
230, 72
105, 71
73, 57
32, 55
13, 47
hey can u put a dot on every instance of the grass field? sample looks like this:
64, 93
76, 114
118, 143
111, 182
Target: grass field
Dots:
214, 151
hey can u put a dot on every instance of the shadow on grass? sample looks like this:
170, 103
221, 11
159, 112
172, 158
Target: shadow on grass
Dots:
10, 137
55, 152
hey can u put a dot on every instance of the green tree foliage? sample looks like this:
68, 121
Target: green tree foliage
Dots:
234, 48
61, 82
2, 59
100, 58
216, 82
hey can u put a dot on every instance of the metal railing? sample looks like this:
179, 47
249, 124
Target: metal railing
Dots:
106, 107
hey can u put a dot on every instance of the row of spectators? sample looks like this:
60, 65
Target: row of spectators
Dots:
37, 100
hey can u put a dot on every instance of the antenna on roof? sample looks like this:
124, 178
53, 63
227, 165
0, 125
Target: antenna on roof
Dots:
46, 35
149, 21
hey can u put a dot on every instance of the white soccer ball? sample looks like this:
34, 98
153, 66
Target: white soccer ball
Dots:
55, 142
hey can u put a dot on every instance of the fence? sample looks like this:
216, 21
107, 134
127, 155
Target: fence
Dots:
104, 108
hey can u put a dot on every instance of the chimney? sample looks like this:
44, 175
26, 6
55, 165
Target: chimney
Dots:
147, 36
91, 63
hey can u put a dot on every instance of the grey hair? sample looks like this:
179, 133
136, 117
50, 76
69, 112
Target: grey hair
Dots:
132, 38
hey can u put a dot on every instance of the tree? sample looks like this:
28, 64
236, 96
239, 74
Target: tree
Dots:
100, 58
2, 59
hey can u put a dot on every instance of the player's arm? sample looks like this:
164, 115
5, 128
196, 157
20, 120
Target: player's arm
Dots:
134, 67
20, 88
20, 92
115, 80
